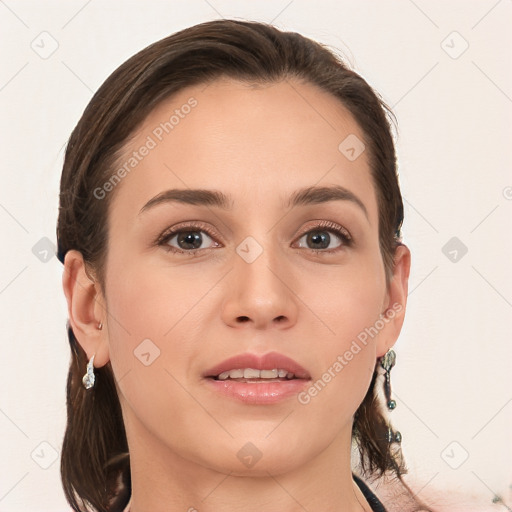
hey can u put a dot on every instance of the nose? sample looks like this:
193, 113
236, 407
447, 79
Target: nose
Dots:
260, 293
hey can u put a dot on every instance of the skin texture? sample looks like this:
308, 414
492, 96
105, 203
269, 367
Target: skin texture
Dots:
259, 144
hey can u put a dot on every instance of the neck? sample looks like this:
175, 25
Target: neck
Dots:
163, 481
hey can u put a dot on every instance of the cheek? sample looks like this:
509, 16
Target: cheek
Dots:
156, 327
344, 300
346, 361
148, 301
151, 342
348, 312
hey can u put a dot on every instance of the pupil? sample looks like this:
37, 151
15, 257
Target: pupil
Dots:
316, 238
189, 238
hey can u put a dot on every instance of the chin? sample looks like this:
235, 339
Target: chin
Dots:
261, 468
253, 459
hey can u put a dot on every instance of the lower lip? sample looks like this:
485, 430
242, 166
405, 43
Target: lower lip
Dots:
258, 392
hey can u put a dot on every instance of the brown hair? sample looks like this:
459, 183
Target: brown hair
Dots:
94, 450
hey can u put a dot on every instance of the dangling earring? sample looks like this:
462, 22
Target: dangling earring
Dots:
89, 378
394, 437
387, 362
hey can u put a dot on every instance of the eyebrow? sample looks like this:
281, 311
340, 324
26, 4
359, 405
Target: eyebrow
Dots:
216, 198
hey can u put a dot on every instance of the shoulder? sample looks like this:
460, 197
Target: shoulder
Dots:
446, 500
395, 497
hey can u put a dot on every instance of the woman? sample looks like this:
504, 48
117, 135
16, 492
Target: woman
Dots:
229, 225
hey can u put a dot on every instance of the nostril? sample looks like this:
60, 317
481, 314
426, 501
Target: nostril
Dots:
243, 318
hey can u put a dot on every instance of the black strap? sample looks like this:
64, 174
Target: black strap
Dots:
374, 502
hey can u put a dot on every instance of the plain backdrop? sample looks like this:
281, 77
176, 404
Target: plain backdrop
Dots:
445, 69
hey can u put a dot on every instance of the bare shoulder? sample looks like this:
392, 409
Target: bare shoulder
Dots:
445, 500
396, 499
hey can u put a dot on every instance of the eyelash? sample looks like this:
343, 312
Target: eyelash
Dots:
166, 236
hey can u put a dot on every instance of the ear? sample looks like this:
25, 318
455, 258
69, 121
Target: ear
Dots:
86, 308
395, 300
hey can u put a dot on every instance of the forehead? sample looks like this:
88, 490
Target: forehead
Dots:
260, 141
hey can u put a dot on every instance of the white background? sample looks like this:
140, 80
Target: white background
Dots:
452, 381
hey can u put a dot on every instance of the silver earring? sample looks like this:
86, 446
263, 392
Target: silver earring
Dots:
89, 378
100, 326
387, 362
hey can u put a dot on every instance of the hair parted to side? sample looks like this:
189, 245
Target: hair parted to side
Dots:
95, 451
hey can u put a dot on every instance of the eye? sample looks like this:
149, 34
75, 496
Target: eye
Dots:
186, 239
320, 237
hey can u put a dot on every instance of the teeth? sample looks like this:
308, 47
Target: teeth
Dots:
251, 373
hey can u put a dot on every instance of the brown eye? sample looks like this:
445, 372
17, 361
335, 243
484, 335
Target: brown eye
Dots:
318, 240
187, 240
321, 239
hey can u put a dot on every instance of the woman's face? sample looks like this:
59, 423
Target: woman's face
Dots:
254, 284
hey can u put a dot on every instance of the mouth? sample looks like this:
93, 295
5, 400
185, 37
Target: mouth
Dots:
257, 379
254, 375
253, 367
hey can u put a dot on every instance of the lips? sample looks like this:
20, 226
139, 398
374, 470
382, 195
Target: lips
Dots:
270, 361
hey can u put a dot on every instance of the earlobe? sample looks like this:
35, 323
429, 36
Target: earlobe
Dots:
394, 310
86, 309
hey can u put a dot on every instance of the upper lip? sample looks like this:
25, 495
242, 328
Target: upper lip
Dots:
259, 362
